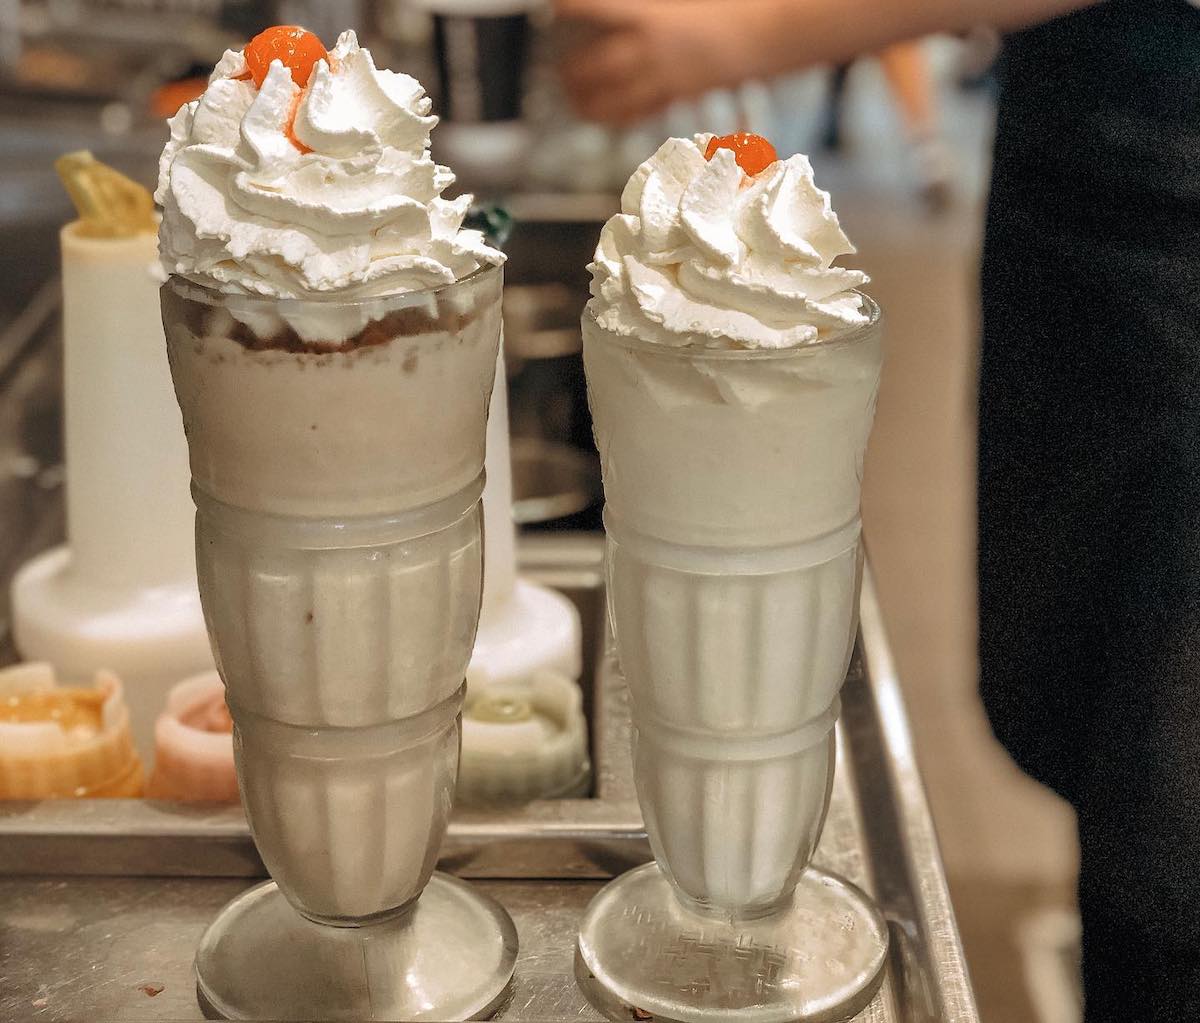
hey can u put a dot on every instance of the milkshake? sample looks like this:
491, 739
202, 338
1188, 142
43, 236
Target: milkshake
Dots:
732, 372
332, 333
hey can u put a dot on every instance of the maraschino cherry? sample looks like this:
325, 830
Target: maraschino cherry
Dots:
298, 48
754, 153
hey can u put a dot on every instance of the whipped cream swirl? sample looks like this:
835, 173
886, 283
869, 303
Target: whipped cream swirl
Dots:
703, 254
361, 214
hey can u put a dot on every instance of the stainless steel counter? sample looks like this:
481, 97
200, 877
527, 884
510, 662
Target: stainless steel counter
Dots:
102, 903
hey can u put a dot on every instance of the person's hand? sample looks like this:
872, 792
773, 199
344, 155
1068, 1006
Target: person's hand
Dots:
631, 58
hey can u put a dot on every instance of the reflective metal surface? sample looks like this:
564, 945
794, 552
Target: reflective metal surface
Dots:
117, 949
74, 946
103, 904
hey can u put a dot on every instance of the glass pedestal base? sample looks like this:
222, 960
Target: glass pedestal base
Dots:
449, 957
643, 955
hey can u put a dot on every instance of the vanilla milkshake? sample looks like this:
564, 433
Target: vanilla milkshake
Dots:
732, 372
332, 332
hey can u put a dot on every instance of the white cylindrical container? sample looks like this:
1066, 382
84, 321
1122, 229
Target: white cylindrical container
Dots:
524, 628
500, 554
121, 594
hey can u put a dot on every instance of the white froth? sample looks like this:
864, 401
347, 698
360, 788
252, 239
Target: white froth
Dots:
703, 254
361, 215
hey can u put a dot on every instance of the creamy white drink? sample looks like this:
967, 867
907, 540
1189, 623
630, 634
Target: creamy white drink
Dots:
732, 372
332, 332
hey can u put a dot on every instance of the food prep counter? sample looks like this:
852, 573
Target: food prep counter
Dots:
102, 903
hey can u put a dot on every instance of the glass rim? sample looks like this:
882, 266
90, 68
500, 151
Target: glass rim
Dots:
841, 338
187, 287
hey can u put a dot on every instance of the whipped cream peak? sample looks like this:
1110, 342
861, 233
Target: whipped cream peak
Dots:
310, 192
702, 253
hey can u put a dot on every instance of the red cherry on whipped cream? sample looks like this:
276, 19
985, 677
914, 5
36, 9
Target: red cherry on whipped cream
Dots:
298, 49
754, 153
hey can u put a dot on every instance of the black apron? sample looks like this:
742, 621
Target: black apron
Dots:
1089, 474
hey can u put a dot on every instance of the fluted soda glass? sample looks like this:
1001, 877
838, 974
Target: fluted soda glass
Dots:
337, 453
732, 483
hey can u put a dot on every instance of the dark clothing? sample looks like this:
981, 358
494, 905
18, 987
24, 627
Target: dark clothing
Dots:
1089, 474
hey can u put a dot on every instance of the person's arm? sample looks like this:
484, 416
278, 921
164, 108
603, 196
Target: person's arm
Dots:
637, 56
797, 33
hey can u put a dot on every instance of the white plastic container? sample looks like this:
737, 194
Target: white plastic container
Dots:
524, 628
121, 593
523, 740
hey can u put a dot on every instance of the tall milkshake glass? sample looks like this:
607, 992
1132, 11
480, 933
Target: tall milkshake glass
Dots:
339, 553
732, 482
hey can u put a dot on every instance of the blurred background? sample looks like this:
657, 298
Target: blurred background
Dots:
904, 156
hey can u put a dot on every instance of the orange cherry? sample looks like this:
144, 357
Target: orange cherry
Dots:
297, 47
754, 153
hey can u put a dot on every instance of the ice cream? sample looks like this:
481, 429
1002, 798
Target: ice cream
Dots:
64, 742
732, 373
302, 184
332, 334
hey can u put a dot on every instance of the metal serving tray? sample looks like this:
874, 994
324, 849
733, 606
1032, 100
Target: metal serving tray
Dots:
102, 902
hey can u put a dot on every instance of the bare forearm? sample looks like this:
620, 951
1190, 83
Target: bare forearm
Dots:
784, 35
636, 56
